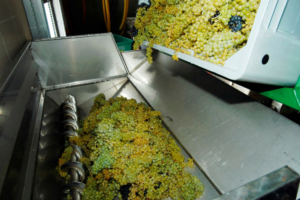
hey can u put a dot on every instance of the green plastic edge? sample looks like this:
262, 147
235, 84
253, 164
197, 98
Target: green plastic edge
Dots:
286, 96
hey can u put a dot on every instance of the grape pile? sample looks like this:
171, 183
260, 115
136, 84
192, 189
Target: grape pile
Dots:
130, 155
213, 29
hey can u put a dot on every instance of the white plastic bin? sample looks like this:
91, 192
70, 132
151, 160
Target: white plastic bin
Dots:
275, 36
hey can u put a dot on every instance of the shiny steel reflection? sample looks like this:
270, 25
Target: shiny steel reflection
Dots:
134, 59
75, 59
232, 138
85, 95
263, 185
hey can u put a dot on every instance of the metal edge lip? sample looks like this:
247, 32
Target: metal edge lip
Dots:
130, 72
138, 66
70, 37
78, 83
120, 54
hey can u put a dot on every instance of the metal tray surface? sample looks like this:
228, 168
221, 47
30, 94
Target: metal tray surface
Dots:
72, 59
47, 181
233, 138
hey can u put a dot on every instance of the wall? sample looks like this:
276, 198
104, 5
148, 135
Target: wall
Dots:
14, 33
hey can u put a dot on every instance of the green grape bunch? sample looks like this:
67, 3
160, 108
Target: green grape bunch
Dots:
130, 155
213, 29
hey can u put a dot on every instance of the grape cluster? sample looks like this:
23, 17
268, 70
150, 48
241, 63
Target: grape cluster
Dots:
65, 157
173, 1
202, 26
125, 190
130, 155
104, 159
235, 23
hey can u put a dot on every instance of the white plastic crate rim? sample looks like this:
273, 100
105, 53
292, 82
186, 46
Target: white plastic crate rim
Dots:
272, 53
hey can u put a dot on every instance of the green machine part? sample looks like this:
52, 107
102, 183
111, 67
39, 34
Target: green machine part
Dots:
286, 96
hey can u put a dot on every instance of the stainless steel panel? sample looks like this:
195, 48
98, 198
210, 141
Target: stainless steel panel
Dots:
10, 132
134, 59
6, 105
73, 59
5, 64
86, 93
47, 183
13, 103
265, 185
233, 139
18, 174
9, 92
18, 73
49, 147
